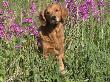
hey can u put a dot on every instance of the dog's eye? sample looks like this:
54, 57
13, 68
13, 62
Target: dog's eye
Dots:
56, 10
47, 12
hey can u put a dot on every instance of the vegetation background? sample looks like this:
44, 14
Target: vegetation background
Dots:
87, 42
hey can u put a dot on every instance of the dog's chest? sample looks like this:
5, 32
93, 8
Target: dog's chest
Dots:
51, 37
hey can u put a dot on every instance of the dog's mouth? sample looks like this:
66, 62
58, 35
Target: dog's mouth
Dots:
53, 21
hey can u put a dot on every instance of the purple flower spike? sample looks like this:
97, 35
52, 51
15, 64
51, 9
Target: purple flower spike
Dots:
1, 30
69, 4
36, 33
16, 29
9, 35
83, 11
1, 12
1, 34
101, 3
33, 31
28, 20
1, 26
1, 19
10, 11
33, 7
71, 7
91, 4
5, 4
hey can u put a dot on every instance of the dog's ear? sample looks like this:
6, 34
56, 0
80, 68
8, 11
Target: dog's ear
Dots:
64, 13
42, 18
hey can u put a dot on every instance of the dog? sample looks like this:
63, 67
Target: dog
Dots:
51, 31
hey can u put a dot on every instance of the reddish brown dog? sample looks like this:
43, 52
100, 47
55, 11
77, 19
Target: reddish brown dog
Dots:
51, 33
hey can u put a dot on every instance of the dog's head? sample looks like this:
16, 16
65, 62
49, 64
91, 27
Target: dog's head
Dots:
53, 14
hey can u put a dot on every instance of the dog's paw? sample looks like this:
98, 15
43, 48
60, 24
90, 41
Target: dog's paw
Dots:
63, 72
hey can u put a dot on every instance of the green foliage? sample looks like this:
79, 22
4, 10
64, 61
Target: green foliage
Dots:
87, 55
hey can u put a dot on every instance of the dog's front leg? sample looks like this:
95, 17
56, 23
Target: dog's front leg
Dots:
45, 50
61, 64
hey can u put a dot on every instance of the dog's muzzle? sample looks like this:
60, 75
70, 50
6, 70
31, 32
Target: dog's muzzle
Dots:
53, 20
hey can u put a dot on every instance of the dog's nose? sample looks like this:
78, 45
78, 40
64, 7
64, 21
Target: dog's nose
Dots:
47, 12
53, 17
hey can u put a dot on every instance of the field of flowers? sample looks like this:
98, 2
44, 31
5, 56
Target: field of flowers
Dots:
87, 42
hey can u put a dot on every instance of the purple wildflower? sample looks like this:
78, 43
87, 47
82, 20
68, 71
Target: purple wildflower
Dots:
5, 4
1, 34
1, 26
33, 7
1, 19
16, 29
33, 31
1, 12
91, 4
1, 30
101, 3
27, 20
10, 11
83, 11
72, 10
9, 35
36, 33
71, 6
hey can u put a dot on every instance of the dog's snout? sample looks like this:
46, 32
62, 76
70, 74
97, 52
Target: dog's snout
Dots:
53, 17
47, 12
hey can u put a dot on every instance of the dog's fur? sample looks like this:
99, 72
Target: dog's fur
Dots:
51, 32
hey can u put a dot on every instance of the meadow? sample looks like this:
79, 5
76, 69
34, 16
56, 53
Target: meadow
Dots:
87, 42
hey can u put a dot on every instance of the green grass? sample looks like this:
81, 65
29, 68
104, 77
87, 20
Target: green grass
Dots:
87, 53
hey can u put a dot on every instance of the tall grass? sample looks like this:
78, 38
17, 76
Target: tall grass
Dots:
87, 50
